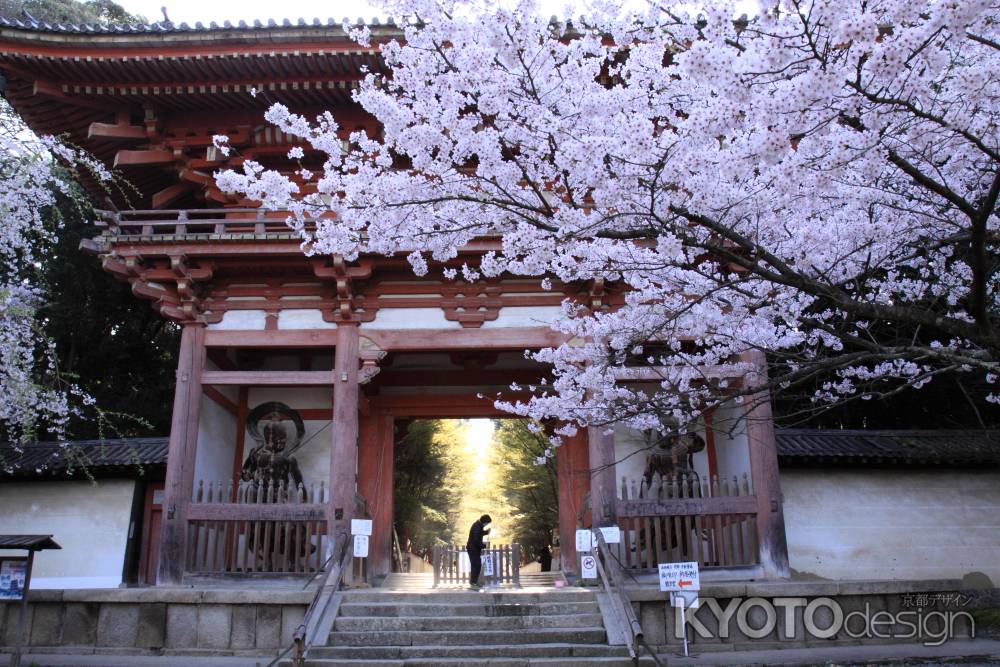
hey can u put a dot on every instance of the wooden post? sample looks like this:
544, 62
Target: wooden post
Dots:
181, 453
764, 471
375, 479
601, 449
22, 619
573, 471
344, 447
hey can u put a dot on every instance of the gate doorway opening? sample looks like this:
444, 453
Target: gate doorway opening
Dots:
449, 472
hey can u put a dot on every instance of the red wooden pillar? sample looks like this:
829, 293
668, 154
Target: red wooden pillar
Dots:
344, 447
601, 449
573, 474
181, 453
375, 481
764, 471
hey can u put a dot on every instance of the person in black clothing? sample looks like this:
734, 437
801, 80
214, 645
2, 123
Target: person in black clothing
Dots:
475, 546
545, 558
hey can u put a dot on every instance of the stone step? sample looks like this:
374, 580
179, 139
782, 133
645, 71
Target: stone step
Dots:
592, 635
510, 596
488, 623
477, 662
553, 650
477, 608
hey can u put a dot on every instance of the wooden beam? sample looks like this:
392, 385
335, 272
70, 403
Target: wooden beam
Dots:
442, 406
390, 378
290, 339
506, 338
116, 131
221, 399
139, 158
55, 91
344, 441
251, 512
688, 506
170, 194
270, 378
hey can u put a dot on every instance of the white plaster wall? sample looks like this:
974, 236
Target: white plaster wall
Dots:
314, 456
732, 451
303, 319
89, 520
853, 523
524, 316
410, 318
241, 319
216, 444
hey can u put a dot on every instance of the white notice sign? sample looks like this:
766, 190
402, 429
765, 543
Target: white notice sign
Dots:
361, 526
588, 567
584, 541
679, 577
487, 565
612, 534
360, 546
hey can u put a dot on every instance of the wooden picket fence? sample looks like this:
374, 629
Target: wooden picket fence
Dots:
685, 518
252, 529
506, 565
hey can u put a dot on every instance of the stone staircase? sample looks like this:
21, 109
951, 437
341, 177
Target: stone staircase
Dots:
458, 628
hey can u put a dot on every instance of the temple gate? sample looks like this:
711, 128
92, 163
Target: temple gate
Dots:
345, 348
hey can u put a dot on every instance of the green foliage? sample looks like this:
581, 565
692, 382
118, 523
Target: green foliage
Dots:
530, 489
102, 12
108, 342
423, 497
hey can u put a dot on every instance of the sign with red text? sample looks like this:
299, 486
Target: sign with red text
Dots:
679, 577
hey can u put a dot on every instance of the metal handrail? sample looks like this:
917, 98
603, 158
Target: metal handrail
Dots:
397, 550
619, 601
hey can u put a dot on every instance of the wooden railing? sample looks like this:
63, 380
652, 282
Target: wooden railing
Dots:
506, 565
253, 528
685, 518
210, 221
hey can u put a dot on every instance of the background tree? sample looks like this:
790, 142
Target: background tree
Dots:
82, 358
424, 498
528, 481
817, 183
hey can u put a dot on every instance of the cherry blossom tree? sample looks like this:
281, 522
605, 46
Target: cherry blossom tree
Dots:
817, 183
33, 172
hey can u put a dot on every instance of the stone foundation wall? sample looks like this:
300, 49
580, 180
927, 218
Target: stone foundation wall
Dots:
922, 598
158, 620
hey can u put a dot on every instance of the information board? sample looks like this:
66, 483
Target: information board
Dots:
360, 546
588, 567
679, 577
13, 572
361, 526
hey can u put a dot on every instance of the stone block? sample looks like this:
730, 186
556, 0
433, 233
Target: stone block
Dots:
653, 622
268, 626
291, 619
152, 625
13, 620
214, 625
118, 625
80, 623
244, 627
182, 625
46, 624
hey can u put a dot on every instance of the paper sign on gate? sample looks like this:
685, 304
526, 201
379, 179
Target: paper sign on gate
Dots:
584, 541
464, 564
488, 565
611, 534
588, 567
679, 577
361, 526
360, 546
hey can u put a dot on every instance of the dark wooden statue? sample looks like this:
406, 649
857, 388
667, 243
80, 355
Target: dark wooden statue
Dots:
269, 464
